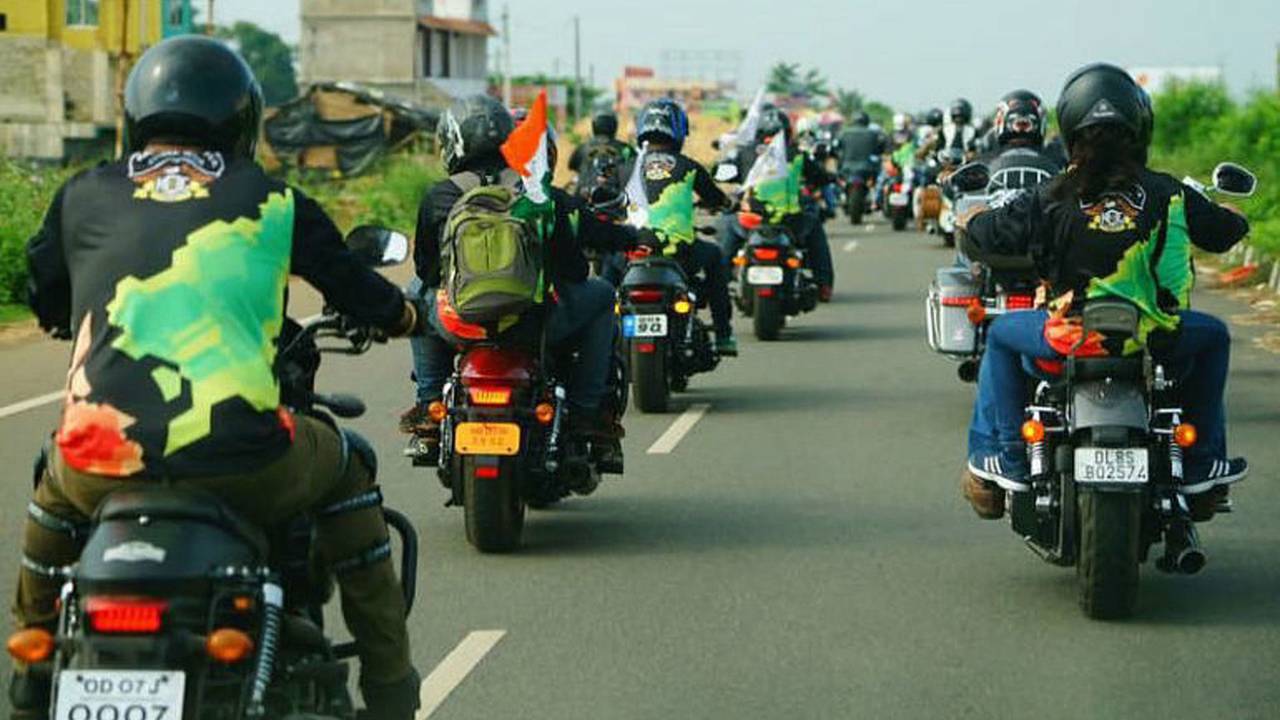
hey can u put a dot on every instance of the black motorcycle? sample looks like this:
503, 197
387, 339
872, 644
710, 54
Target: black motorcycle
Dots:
1105, 437
666, 341
180, 608
773, 281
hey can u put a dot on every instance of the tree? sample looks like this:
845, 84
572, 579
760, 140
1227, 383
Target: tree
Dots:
848, 102
814, 85
269, 57
784, 78
879, 113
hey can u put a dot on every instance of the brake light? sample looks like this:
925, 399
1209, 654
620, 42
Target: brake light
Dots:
486, 472
646, 347
963, 302
764, 292
489, 394
1019, 302
766, 253
124, 614
647, 295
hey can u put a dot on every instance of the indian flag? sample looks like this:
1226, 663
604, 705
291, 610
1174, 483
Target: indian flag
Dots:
637, 196
526, 151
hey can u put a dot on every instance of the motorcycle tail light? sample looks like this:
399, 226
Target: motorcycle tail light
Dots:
228, 645
1020, 302
1185, 435
646, 347
766, 254
1032, 432
487, 472
645, 295
125, 614
489, 394
764, 292
963, 302
31, 645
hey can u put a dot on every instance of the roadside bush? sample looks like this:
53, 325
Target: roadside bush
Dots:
25, 193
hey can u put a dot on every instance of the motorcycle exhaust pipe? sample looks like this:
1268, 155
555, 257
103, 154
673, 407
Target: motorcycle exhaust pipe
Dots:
968, 371
1183, 553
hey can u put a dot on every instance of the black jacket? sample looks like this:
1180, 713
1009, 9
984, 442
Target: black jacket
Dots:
170, 270
1073, 241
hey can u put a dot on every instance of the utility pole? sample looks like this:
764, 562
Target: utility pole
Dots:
506, 55
577, 68
208, 22
122, 73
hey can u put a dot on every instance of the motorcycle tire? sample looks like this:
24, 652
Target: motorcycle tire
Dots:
768, 319
650, 387
899, 222
857, 205
1107, 566
948, 239
493, 508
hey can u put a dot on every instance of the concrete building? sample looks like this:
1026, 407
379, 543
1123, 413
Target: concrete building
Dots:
57, 66
424, 51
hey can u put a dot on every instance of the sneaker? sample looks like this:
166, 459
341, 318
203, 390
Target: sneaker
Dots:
824, 293
726, 345
392, 701
1218, 473
986, 497
416, 419
999, 470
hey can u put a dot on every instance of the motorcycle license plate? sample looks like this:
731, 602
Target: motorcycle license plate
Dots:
899, 199
644, 326
472, 438
1127, 466
132, 694
764, 275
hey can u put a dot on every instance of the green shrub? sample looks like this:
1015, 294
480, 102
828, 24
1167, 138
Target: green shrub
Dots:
25, 194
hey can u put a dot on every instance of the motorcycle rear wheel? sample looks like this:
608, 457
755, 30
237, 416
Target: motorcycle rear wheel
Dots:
493, 508
768, 319
856, 206
1107, 566
899, 221
650, 388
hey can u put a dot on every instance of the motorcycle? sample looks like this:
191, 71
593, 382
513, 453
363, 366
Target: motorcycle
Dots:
773, 281
1105, 438
949, 160
857, 184
503, 442
897, 196
666, 342
180, 608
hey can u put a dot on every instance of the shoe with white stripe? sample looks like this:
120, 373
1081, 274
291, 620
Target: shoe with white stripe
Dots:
1218, 473
999, 471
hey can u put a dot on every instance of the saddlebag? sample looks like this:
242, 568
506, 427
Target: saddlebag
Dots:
946, 312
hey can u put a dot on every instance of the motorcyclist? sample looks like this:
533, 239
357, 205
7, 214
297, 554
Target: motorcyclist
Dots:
168, 270
471, 134
859, 144
960, 133
1020, 158
1078, 230
603, 151
671, 181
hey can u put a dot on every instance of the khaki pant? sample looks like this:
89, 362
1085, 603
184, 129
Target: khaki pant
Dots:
309, 475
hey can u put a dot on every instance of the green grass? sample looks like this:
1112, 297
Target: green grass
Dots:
13, 313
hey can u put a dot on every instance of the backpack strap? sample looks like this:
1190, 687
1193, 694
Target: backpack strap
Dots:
467, 181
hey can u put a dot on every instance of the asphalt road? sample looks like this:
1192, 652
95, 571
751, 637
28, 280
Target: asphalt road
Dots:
803, 551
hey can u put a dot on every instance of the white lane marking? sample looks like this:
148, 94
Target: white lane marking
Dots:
455, 667
679, 429
851, 246
31, 403
869, 228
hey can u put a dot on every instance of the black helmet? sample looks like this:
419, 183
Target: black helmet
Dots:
1020, 116
773, 120
193, 89
961, 111
663, 118
861, 119
604, 124
473, 130
934, 118
1103, 94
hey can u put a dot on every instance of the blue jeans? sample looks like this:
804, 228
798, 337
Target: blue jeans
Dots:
581, 320
1201, 354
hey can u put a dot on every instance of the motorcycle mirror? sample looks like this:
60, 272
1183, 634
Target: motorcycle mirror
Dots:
378, 246
726, 172
970, 178
1232, 179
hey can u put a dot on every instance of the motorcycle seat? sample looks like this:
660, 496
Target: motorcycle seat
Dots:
168, 503
1116, 368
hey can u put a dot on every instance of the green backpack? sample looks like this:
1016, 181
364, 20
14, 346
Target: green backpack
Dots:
491, 259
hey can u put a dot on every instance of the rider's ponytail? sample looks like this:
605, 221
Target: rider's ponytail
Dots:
1103, 158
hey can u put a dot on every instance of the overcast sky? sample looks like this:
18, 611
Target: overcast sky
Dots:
910, 54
